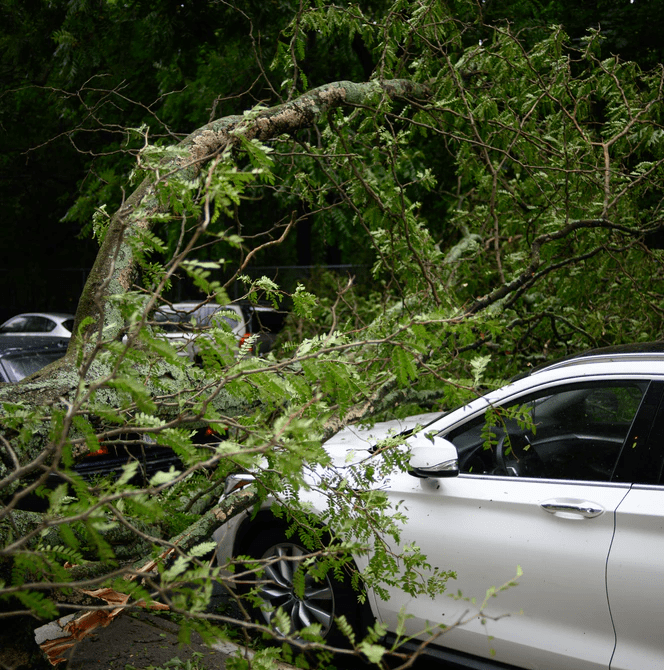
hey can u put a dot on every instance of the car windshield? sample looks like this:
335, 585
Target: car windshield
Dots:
22, 365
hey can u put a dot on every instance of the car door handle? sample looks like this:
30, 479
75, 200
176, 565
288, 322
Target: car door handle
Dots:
572, 508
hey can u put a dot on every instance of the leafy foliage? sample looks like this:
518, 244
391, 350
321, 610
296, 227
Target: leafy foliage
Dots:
508, 208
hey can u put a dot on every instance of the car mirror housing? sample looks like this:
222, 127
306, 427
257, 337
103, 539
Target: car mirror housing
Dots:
433, 457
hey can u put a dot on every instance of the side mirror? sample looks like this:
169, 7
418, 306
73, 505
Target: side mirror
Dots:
437, 458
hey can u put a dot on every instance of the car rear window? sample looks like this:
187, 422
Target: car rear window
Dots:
182, 320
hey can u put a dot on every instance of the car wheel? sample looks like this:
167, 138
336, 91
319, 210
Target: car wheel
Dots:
321, 599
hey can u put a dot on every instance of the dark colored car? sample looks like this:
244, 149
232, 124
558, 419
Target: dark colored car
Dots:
21, 356
184, 322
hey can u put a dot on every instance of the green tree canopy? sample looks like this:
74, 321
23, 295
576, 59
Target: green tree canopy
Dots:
505, 193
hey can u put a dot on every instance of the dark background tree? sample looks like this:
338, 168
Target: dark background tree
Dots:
75, 76
630, 28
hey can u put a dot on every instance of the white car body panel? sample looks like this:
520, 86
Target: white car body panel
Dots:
496, 524
635, 580
353, 443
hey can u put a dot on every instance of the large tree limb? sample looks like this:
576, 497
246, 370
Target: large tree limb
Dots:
114, 270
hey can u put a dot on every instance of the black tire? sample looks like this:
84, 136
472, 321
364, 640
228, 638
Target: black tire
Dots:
323, 600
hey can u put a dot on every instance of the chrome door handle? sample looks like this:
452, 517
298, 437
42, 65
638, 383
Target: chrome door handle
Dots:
573, 508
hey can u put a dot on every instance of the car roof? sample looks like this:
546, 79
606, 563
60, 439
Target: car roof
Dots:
189, 305
57, 315
635, 352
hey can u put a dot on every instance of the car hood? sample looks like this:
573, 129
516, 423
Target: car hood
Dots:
353, 443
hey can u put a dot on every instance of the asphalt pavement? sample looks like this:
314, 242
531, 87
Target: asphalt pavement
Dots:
142, 640
146, 641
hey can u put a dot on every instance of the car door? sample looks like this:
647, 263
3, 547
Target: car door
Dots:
635, 580
535, 493
635, 570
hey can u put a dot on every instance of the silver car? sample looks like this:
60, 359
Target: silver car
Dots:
56, 324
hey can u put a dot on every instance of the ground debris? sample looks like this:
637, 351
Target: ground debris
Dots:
57, 637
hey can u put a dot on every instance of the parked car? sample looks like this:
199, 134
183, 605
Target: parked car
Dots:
55, 324
560, 472
183, 322
21, 356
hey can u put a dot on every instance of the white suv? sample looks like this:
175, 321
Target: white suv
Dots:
560, 473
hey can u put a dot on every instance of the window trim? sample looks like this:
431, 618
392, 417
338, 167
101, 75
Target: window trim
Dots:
643, 465
653, 392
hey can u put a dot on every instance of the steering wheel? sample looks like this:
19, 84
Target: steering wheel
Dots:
528, 464
500, 457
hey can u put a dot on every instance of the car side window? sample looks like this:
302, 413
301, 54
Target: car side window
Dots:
29, 324
42, 325
571, 432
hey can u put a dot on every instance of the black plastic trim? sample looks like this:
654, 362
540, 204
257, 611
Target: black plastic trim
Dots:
455, 660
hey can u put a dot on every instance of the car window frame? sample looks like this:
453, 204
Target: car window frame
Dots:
626, 467
644, 463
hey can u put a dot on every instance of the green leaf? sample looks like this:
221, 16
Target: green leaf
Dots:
373, 652
404, 367
479, 365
